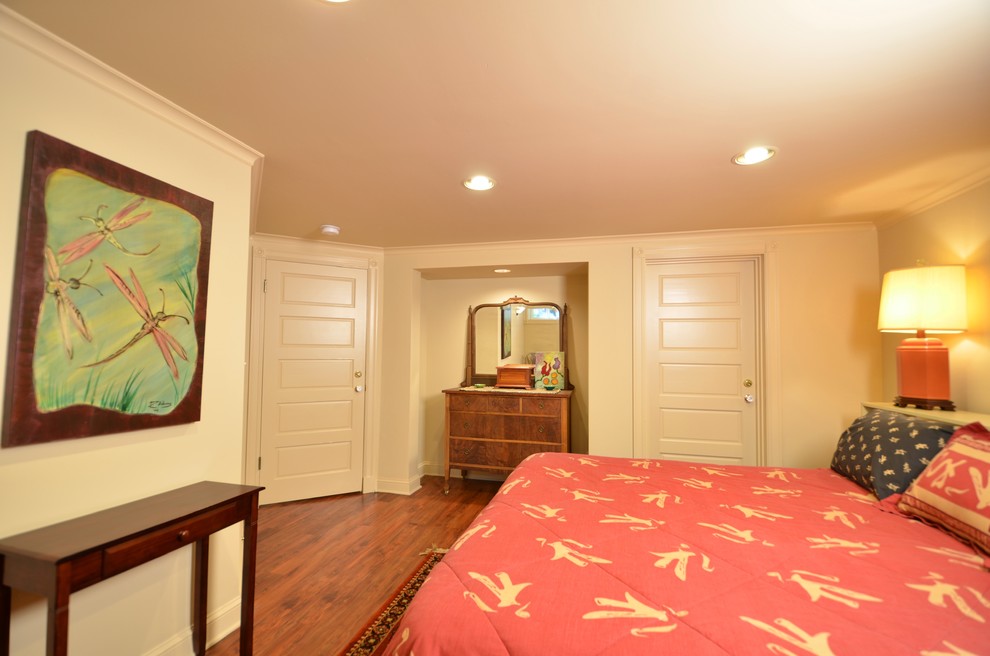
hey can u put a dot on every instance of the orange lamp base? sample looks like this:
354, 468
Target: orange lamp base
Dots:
923, 374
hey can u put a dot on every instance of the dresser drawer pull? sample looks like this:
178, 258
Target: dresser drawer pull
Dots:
542, 405
541, 430
182, 536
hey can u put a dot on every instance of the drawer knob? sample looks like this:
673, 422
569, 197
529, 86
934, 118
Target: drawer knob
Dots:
183, 535
542, 404
541, 430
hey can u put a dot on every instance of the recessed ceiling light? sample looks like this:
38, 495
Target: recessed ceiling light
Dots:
754, 155
335, 1
330, 229
503, 270
479, 183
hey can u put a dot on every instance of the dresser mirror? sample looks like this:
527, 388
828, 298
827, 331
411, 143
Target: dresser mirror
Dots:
508, 332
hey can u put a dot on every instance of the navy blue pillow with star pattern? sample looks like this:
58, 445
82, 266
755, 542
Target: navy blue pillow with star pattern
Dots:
884, 451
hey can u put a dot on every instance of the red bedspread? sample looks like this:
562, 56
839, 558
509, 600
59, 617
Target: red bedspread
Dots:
592, 555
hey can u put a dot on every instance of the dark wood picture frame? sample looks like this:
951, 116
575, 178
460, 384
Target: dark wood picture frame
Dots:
108, 311
506, 331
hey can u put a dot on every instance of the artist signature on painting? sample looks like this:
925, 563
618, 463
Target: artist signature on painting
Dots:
159, 406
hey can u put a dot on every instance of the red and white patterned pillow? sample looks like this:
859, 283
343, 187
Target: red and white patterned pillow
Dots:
953, 491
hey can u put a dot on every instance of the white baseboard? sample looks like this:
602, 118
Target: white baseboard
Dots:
394, 486
219, 624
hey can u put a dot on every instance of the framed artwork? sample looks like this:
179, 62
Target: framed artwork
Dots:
506, 331
549, 372
108, 317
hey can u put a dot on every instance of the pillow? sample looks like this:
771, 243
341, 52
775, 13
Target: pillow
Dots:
883, 451
954, 490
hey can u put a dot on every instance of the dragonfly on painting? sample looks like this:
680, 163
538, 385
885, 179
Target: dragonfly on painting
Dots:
152, 323
66, 308
105, 231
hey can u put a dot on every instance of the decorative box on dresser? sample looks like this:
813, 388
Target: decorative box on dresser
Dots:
493, 430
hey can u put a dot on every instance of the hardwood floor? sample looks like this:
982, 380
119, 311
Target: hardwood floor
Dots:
325, 566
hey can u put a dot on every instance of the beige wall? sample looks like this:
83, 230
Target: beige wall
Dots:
50, 88
826, 359
954, 232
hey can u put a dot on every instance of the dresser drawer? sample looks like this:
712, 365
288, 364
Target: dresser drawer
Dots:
469, 402
495, 455
506, 404
533, 429
541, 406
473, 424
121, 557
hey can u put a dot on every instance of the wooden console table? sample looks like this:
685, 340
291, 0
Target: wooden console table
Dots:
60, 559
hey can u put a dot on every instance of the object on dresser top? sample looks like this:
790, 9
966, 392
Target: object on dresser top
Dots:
514, 375
510, 390
549, 372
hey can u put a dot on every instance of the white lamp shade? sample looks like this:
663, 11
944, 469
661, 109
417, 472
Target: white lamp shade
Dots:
931, 298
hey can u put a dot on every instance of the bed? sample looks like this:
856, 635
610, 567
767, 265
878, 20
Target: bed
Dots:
582, 554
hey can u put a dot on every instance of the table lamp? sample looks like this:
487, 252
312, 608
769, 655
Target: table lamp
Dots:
923, 300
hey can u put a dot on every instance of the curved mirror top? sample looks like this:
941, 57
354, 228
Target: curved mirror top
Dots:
510, 333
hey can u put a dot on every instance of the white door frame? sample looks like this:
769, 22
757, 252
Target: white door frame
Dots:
270, 248
763, 254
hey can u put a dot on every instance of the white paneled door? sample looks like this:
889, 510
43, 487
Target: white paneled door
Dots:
312, 414
701, 358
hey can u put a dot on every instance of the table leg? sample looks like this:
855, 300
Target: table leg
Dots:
201, 576
247, 578
4, 617
57, 639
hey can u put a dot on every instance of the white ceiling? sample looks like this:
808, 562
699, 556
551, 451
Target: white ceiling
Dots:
596, 117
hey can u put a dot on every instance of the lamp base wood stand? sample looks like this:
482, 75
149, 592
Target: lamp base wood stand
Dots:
924, 404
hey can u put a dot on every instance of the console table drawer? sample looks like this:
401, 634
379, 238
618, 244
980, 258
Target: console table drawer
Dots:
122, 557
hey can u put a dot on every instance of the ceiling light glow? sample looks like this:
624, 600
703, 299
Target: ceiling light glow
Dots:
754, 155
502, 270
479, 183
328, 229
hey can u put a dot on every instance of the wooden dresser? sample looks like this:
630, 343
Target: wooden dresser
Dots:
493, 430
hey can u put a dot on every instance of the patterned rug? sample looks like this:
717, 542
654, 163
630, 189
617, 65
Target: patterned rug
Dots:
378, 631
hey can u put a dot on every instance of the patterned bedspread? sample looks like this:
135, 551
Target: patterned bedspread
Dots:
592, 555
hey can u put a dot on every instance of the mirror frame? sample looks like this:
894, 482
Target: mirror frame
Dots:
471, 377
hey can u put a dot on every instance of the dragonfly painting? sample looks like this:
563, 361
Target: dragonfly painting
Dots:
105, 230
64, 306
95, 238
152, 323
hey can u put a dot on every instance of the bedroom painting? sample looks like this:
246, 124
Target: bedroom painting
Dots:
109, 301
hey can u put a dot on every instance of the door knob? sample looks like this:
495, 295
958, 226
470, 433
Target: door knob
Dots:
749, 398
359, 388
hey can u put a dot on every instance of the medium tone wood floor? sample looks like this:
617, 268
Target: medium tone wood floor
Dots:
325, 566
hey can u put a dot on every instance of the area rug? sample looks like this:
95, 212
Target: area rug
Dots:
376, 634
